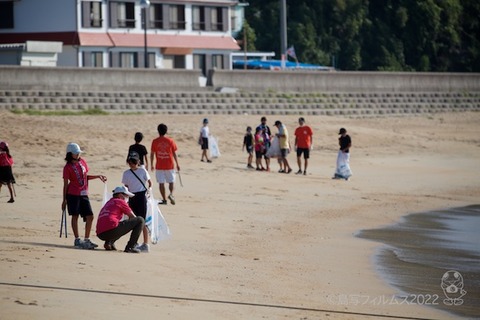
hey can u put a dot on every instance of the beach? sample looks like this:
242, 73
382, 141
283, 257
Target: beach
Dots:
245, 244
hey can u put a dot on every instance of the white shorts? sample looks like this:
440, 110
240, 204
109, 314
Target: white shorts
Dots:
165, 176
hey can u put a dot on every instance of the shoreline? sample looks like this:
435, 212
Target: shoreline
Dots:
418, 250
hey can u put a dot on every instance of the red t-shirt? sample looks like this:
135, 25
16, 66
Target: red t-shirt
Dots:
304, 137
111, 214
5, 161
76, 173
163, 148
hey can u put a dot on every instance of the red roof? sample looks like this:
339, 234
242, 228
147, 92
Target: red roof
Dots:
111, 39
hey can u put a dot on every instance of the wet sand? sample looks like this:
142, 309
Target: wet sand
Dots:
422, 247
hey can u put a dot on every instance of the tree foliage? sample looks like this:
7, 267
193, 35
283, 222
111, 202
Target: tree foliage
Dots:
389, 35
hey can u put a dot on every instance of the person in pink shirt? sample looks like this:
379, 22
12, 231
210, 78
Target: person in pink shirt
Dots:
110, 226
6, 173
75, 194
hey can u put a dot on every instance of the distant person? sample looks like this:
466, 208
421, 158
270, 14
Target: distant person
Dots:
110, 226
75, 194
164, 149
140, 149
343, 158
303, 144
282, 135
248, 144
6, 171
203, 140
267, 134
259, 149
138, 182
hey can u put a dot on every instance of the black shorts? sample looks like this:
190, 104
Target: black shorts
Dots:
258, 154
204, 143
305, 151
138, 204
79, 205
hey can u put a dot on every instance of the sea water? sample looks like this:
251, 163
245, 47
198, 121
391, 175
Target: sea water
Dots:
423, 247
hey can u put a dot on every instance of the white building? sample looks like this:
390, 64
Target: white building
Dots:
195, 34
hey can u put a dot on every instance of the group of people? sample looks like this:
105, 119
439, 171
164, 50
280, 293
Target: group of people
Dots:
262, 144
265, 146
129, 199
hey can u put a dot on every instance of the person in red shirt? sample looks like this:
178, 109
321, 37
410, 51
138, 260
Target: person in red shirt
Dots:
75, 194
110, 226
164, 149
6, 173
303, 144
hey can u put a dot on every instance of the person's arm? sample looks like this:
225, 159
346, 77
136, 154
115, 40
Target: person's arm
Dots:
101, 177
130, 214
176, 160
146, 161
151, 160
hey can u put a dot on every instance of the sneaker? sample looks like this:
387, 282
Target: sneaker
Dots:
144, 247
172, 199
298, 172
109, 246
87, 244
90, 243
78, 243
131, 250
162, 202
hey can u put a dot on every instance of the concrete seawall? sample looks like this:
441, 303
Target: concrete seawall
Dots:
96, 79
309, 81
148, 80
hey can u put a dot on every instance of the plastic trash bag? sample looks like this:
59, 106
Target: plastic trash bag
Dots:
155, 222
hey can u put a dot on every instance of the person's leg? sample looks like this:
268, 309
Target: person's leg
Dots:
75, 225
162, 191
88, 226
136, 225
9, 185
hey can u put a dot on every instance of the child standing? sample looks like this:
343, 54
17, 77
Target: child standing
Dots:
259, 148
248, 141
6, 173
137, 180
75, 194
140, 149
203, 140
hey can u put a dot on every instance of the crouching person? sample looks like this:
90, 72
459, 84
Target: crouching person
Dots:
110, 226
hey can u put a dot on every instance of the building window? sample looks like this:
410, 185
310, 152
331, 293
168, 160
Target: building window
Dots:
177, 17
216, 16
217, 61
198, 18
128, 60
199, 62
155, 20
6, 15
93, 59
122, 14
92, 14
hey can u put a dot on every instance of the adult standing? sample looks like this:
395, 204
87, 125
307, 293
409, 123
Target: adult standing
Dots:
110, 226
164, 149
343, 158
75, 194
303, 144
282, 135
266, 134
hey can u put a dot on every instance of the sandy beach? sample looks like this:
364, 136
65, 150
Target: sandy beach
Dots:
245, 244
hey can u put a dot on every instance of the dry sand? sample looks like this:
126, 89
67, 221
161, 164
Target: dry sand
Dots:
245, 244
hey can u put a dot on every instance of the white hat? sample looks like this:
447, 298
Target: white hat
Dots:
123, 190
73, 148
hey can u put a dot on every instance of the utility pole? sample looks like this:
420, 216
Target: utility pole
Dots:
283, 29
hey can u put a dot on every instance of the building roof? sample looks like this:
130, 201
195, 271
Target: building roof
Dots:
112, 39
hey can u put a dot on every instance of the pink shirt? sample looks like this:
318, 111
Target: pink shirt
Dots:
111, 214
76, 173
5, 161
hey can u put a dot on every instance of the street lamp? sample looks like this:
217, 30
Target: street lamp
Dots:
145, 4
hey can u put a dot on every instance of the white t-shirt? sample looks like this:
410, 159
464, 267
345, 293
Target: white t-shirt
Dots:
134, 185
205, 132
